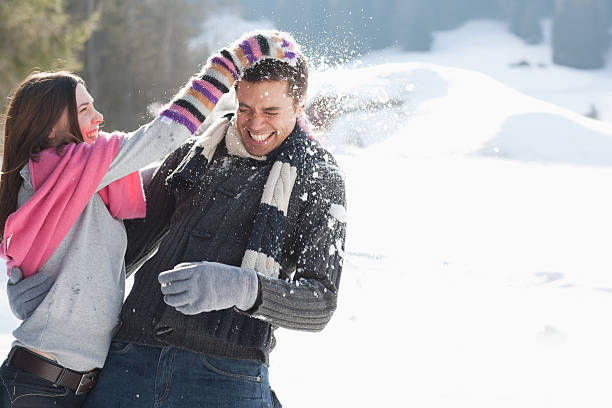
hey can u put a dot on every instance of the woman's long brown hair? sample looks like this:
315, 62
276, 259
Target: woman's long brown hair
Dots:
33, 110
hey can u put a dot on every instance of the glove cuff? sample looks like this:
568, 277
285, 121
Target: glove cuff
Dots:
251, 290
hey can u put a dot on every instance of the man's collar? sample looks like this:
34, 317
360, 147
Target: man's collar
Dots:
295, 134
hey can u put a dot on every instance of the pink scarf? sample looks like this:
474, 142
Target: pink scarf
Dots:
63, 185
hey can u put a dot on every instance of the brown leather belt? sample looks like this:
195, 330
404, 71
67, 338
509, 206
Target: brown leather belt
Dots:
80, 383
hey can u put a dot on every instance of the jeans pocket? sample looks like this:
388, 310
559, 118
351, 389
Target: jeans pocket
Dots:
119, 347
234, 369
27, 390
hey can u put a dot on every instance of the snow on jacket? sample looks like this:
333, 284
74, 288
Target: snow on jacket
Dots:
207, 214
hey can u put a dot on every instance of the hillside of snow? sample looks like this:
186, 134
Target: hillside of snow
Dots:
487, 46
477, 267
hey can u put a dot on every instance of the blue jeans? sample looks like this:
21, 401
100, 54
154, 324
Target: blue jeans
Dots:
19, 388
140, 376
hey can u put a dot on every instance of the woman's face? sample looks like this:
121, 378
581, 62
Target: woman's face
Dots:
88, 117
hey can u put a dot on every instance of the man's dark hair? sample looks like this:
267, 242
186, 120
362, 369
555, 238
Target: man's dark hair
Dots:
276, 70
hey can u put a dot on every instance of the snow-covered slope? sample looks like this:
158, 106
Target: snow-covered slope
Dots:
477, 269
487, 46
419, 109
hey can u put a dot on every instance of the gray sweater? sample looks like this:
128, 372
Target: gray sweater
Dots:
76, 320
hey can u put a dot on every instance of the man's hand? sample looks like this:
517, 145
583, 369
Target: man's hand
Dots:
25, 295
197, 287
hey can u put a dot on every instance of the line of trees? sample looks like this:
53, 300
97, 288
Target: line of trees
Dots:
341, 28
130, 53
38, 34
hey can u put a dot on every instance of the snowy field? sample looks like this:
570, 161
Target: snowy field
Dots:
477, 268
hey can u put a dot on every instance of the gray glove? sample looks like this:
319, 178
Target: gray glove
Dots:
197, 287
25, 295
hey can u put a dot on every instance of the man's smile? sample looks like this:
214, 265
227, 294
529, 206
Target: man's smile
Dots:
260, 137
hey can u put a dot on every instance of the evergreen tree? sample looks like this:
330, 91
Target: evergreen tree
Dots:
412, 22
448, 14
524, 17
140, 55
580, 33
38, 35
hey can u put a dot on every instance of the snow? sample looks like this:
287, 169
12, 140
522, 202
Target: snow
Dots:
213, 38
487, 46
338, 212
476, 266
476, 269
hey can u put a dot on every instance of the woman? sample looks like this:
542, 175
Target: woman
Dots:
65, 188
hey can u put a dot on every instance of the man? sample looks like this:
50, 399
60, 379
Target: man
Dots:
254, 194
249, 223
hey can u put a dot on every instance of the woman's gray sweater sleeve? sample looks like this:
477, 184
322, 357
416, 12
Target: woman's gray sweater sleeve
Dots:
151, 142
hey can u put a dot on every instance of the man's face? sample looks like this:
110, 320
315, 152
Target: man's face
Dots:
266, 115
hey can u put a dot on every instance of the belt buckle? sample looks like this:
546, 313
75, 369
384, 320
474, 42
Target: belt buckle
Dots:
88, 381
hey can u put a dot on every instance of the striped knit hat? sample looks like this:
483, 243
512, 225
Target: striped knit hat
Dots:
198, 98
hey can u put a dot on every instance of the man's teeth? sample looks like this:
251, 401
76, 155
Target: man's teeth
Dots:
260, 137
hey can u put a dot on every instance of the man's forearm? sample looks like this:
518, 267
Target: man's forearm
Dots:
306, 304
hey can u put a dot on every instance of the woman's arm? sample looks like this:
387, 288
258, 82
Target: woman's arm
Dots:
182, 118
145, 234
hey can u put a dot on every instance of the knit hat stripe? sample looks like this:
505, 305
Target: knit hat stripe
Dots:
202, 98
263, 44
179, 118
242, 57
225, 64
284, 49
216, 92
221, 69
187, 97
177, 108
229, 57
248, 52
209, 95
219, 77
255, 48
192, 109
215, 83
286, 44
